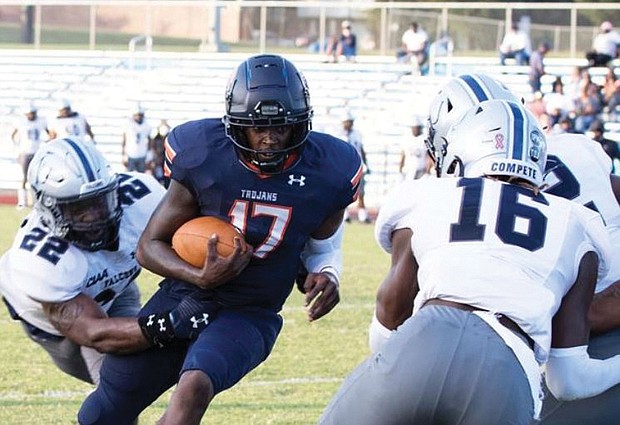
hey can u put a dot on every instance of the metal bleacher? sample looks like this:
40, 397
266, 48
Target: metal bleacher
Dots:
104, 86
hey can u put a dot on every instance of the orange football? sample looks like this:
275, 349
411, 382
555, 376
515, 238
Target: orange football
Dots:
190, 240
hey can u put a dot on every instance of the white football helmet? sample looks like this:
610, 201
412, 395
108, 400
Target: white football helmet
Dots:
496, 138
452, 101
76, 193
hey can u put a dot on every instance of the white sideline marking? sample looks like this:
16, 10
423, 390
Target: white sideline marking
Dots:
60, 395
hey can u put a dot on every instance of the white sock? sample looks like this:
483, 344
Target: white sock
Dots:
362, 215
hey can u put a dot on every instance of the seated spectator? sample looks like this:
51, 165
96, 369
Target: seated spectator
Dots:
611, 93
415, 45
605, 46
565, 125
558, 104
597, 128
343, 45
587, 107
515, 45
347, 43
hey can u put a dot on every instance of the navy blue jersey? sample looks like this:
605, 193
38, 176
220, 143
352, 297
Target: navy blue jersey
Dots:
276, 213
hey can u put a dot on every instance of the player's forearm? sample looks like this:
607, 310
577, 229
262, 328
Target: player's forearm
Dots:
121, 335
604, 313
160, 258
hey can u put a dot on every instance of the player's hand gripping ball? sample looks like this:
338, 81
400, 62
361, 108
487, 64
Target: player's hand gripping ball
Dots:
190, 240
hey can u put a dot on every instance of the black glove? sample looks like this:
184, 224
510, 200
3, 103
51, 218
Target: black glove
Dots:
185, 321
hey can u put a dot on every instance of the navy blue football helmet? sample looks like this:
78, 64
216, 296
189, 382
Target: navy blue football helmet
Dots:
267, 91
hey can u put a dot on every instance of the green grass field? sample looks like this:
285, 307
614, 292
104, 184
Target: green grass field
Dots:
292, 387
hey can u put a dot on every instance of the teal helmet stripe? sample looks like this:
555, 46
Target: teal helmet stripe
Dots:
90, 173
518, 130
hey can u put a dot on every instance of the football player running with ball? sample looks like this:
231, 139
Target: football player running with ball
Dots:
69, 276
286, 188
500, 283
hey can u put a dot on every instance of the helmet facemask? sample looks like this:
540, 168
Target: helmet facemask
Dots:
76, 194
267, 91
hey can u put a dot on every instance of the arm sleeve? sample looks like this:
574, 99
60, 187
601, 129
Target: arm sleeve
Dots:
324, 255
377, 334
571, 374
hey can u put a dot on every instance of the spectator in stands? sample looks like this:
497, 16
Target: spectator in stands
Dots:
537, 66
611, 93
535, 104
70, 123
136, 141
604, 46
155, 157
29, 132
565, 125
558, 104
587, 107
597, 128
414, 46
413, 152
572, 81
347, 43
354, 138
515, 45
343, 45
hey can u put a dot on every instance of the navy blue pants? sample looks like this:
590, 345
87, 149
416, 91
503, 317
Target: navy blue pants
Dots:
233, 344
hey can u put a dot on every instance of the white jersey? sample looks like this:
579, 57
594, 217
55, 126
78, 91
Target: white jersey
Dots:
73, 125
43, 268
137, 138
414, 150
354, 138
495, 246
579, 170
30, 134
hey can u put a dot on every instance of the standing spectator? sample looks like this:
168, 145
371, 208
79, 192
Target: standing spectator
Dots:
354, 138
413, 158
597, 128
414, 46
537, 66
155, 158
515, 45
29, 132
70, 123
136, 141
347, 43
286, 188
604, 46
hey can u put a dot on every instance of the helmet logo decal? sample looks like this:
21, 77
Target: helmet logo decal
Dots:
301, 181
537, 141
499, 141
268, 109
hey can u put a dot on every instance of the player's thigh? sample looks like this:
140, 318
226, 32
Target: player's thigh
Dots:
65, 354
233, 344
443, 363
